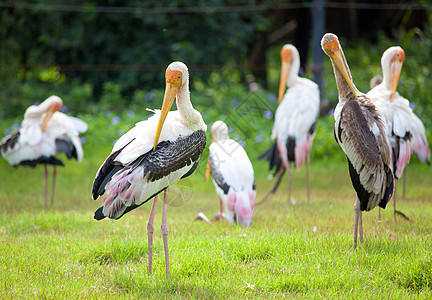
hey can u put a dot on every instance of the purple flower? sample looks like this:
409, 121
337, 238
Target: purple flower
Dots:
64, 108
331, 112
130, 114
83, 139
271, 97
107, 113
15, 126
268, 114
6, 132
236, 136
242, 143
258, 138
234, 103
412, 105
115, 120
149, 96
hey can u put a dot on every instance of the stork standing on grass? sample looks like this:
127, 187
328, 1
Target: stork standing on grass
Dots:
360, 132
44, 132
295, 121
232, 175
405, 130
153, 155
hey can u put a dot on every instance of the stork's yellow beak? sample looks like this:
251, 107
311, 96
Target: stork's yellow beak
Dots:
55, 106
173, 83
286, 57
395, 70
333, 50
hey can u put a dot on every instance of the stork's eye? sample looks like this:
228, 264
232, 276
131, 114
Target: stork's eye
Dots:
179, 77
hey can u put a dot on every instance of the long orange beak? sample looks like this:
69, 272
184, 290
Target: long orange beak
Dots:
173, 83
395, 70
287, 59
333, 50
56, 106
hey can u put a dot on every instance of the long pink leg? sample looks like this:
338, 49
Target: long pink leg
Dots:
53, 185
164, 229
150, 231
356, 220
403, 182
46, 185
307, 179
289, 184
394, 204
361, 227
220, 207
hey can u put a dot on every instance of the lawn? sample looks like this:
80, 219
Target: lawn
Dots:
295, 250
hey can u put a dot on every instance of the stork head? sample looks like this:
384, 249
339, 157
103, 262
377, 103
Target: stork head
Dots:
391, 64
219, 131
176, 76
49, 107
331, 47
290, 66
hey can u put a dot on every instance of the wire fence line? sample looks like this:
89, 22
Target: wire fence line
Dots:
208, 9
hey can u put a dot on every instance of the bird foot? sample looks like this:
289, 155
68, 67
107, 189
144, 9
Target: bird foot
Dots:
202, 217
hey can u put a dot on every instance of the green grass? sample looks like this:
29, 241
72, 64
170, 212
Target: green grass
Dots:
296, 251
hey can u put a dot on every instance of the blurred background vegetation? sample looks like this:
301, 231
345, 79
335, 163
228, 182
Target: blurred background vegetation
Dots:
106, 59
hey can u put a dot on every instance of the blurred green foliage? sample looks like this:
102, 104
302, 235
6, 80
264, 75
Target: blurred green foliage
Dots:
114, 101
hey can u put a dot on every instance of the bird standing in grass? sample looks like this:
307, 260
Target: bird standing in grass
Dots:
360, 132
44, 132
405, 130
295, 121
232, 175
153, 155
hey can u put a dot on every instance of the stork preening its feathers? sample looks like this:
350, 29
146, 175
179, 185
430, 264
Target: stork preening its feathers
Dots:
44, 132
405, 130
232, 175
295, 120
152, 156
360, 131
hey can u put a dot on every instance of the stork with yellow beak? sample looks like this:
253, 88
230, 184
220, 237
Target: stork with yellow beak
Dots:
153, 155
295, 120
360, 132
405, 130
44, 132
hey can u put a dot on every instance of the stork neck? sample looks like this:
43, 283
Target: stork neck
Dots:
344, 90
188, 114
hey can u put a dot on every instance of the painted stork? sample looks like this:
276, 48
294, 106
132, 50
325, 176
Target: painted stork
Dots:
44, 132
405, 130
295, 121
361, 133
153, 155
232, 175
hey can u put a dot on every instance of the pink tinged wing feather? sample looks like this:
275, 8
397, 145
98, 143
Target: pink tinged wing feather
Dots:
283, 153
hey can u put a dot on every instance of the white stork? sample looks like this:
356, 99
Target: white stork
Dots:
405, 130
232, 175
295, 121
360, 132
153, 155
44, 132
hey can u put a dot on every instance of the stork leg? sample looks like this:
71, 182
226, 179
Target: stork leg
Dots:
379, 214
164, 229
53, 185
394, 204
403, 182
289, 183
46, 185
150, 231
307, 179
356, 221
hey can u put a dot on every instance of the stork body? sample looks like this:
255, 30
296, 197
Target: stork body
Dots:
44, 132
360, 132
405, 130
232, 175
152, 156
295, 120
